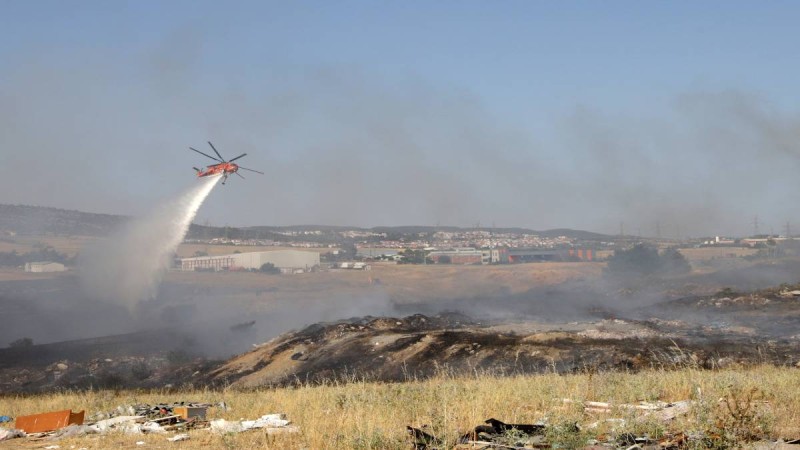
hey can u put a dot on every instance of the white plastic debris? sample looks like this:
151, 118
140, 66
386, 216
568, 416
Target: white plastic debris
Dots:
72, 431
152, 427
270, 422
179, 437
120, 423
266, 421
12, 433
226, 426
139, 442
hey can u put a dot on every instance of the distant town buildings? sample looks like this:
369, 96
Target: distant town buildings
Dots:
287, 261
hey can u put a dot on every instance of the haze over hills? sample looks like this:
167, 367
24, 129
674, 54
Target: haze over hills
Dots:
36, 220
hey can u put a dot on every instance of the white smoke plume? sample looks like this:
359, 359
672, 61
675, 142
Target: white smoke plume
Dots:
128, 267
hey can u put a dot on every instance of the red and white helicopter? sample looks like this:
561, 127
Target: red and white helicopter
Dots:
222, 167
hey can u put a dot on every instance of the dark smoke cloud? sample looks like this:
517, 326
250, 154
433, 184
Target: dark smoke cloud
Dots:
341, 146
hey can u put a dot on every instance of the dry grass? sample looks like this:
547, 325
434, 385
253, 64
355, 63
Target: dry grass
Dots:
69, 246
360, 415
400, 283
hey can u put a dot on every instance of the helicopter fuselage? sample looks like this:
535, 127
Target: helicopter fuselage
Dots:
225, 168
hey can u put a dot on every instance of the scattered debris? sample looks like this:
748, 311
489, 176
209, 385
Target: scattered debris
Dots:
496, 434
272, 423
133, 419
69, 431
12, 433
421, 440
119, 422
501, 427
50, 421
188, 412
4, 419
660, 410
179, 437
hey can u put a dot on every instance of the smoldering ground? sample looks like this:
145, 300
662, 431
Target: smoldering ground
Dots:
212, 313
213, 320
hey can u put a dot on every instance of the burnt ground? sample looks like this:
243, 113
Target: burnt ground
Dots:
590, 324
153, 359
750, 329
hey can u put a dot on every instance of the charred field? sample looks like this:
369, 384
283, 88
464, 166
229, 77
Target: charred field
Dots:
246, 331
376, 360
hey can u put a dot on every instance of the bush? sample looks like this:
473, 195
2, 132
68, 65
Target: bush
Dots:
644, 259
269, 268
21, 343
141, 371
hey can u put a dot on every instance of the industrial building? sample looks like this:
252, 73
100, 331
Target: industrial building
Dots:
468, 255
462, 255
44, 266
377, 252
288, 261
522, 255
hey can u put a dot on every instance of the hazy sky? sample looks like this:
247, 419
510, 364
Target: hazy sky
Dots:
533, 114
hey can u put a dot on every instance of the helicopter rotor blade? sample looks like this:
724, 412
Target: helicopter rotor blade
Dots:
251, 170
215, 151
207, 156
240, 175
234, 159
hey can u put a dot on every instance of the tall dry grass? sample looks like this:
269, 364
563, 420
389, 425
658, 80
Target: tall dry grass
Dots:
729, 406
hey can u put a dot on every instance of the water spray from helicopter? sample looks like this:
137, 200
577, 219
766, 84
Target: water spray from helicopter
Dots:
128, 267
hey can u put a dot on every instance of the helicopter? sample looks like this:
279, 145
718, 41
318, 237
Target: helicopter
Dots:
222, 167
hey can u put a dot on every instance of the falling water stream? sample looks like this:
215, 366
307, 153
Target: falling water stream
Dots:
129, 266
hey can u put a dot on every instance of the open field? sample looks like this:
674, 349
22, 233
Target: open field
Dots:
362, 415
18, 274
401, 282
707, 253
68, 245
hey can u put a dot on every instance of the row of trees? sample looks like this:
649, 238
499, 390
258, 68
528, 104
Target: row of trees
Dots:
14, 259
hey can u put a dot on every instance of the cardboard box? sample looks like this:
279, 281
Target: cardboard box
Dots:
187, 412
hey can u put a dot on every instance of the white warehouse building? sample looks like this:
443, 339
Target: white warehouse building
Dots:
44, 266
286, 260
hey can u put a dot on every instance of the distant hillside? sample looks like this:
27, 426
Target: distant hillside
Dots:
38, 220
575, 234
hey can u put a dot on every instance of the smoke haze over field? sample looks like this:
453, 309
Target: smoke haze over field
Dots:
365, 139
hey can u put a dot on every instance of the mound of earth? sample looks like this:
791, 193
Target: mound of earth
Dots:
418, 346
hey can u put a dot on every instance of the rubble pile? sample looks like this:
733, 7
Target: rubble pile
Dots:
177, 418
